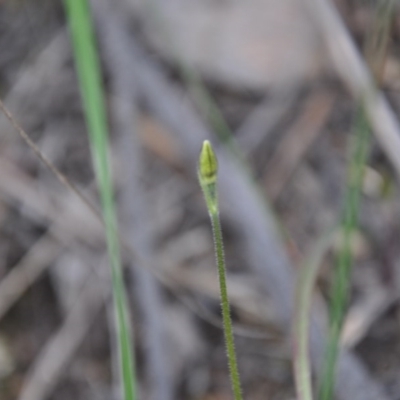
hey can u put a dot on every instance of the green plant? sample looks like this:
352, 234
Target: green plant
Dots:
207, 173
304, 292
375, 49
341, 279
89, 75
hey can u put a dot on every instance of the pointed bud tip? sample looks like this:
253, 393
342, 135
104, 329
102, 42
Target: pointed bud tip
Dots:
208, 164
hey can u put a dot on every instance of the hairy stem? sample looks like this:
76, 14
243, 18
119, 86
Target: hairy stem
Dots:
226, 314
208, 181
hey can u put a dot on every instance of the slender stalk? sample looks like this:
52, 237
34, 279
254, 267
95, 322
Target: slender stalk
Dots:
301, 326
340, 286
88, 68
376, 48
208, 181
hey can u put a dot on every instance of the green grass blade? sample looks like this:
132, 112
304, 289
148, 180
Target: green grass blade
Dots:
301, 325
88, 68
340, 286
376, 47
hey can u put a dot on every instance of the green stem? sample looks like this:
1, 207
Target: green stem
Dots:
226, 314
89, 74
208, 167
340, 286
376, 48
304, 293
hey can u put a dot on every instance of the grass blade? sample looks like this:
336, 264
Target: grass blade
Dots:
376, 47
340, 286
88, 68
301, 326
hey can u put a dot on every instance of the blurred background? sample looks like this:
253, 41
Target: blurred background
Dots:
275, 85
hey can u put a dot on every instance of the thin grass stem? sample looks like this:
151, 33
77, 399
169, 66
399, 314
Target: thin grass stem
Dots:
88, 68
376, 48
301, 325
341, 280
